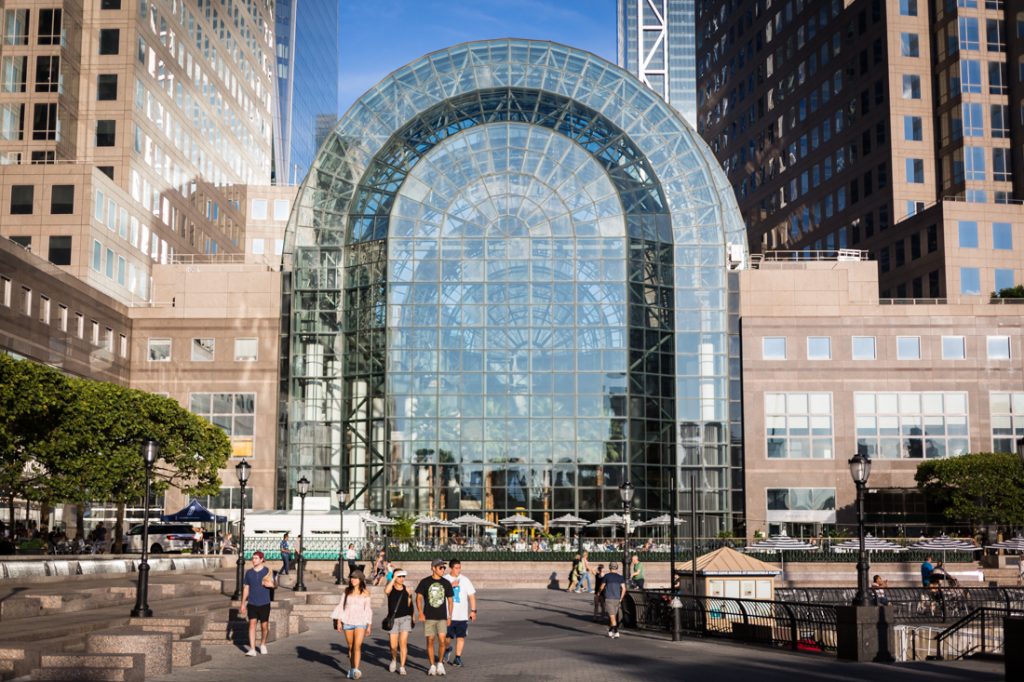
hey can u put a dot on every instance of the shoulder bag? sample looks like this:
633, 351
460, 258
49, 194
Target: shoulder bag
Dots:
389, 620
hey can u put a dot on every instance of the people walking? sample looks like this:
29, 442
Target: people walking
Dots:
400, 609
379, 568
434, 597
636, 572
350, 557
255, 605
600, 609
926, 571
585, 572
354, 618
614, 589
463, 611
286, 555
574, 574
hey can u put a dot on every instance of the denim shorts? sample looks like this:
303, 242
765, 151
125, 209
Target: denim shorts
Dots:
355, 627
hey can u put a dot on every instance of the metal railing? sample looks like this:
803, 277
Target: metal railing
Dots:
800, 256
979, 632
918, 604
792, 625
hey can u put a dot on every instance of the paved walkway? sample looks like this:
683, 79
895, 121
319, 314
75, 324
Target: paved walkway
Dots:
548, 635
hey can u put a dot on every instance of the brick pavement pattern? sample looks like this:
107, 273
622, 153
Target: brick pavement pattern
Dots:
548, 635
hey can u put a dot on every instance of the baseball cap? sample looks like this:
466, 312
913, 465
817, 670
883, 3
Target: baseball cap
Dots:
438, 562
257, 553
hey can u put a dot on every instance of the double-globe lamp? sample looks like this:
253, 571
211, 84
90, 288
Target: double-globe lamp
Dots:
302, 487
860, 470
150, 453
242, 470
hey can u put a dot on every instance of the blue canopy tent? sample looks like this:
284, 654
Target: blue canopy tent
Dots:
194, 512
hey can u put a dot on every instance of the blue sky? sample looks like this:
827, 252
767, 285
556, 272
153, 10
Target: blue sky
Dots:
381, 35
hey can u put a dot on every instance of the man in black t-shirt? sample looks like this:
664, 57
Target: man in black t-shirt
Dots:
434, 597
613, 587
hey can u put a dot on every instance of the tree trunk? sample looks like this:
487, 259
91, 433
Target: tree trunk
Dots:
119, 530
44, 515
80, 520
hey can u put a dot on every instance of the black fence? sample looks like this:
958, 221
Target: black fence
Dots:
797, 626
917, 604
978, 633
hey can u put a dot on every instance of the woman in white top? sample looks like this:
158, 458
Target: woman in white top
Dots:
354, 616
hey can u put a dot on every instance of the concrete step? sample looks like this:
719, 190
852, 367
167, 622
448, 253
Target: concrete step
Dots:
155, 646
188, 652
297, 624
16, 662
91, 667
182, 627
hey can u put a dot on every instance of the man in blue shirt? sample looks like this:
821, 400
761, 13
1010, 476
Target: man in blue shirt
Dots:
614, 589
256, 602
286, 554
926, 572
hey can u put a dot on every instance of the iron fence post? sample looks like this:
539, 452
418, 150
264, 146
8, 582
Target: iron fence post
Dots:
792, 626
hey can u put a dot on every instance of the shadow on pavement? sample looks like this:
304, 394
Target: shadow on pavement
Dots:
312, 655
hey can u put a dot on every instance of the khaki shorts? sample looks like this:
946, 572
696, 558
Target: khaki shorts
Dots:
435, 628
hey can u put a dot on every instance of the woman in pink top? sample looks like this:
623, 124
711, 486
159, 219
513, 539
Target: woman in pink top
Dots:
354, 616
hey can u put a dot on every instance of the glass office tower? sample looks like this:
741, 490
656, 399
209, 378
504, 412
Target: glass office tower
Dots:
307, 39
506, 292
656, 44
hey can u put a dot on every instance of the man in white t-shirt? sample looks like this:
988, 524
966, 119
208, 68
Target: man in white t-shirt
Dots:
463, 611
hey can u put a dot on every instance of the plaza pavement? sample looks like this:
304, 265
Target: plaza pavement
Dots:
548, 635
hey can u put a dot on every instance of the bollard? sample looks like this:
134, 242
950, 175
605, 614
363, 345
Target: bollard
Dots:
676, 605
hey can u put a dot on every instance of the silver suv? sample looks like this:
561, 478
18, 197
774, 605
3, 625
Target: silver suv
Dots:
163, 537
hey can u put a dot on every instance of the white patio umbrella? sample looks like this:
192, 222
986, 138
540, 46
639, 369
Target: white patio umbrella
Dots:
611, 520
568, 521
1014, 545
781, 544
871, 544
518, 520
943, 543
663, 520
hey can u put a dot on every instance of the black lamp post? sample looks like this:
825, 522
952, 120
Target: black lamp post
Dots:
242, 470
150, 453
860, 469
302, 486
626, 490
342, 503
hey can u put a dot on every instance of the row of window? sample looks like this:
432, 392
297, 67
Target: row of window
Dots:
119, 269
58, 251
203, 350
23, 199
864, 348
40, 306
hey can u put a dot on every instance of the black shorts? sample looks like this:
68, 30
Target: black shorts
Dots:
260, 613
458, 628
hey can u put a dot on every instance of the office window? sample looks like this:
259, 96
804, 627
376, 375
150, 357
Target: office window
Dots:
997, 78
954, 348
48, 73
798, 425
110, 40
974, 120
258, 247
97, 256
49, 26
911, 86
908, 347
912, 128
911, 425
62, 199
1007, 411
26, 301
16, 27
95, 332
24, 241
13, 76
863, 347
106, 86
1000, 120
281, 207
5, 291
111, 4
1001, 164
801, 499
974, 163
1004, 279
12, 121
915, 171
259, 209
22, 199
44, 121
62, 316
202, 350
108, 263
909, 46
968, 234
235, 413
80, 325
159, 350
970, 75
819, 348
44, 309
995, 35
773, 348
970, 281
246, 349
970, 38
105, 133
59, 252
123, 345
908, 8
998, 347
1002, 236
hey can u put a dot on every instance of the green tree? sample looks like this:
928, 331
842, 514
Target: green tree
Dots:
983, 489
404, 528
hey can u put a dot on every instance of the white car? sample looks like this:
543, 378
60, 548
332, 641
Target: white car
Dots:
163, 537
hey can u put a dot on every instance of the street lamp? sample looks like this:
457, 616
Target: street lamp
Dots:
242, 470
626, 490
342, 503
860, 469
302, 485
150, 453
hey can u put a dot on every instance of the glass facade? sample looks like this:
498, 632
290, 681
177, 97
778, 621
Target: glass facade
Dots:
507, 290
307, 42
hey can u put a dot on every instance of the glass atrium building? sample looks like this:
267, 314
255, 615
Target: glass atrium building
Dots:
507, 290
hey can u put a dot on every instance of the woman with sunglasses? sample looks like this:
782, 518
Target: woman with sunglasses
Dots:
354, 618
400, 607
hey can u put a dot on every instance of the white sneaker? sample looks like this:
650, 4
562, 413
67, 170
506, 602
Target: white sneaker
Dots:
348, 675
263, 648
401, 670
616, 634
433, 671
393, 667
441, 670
356, 674
611, 635
250, 652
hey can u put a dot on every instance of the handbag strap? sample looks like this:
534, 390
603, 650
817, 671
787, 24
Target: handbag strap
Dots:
391, 614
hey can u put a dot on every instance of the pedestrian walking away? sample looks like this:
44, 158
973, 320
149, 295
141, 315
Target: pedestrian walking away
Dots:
926, 571
256, 602
286, 555
585, 572
614, 589
350, 557
400, 611
463, 611
434, 597
636, 572
574, 574
354, 618
600, 608
379, 568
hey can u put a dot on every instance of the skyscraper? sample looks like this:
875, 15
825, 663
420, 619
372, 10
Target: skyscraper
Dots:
308, 48
656, 44
881, 125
